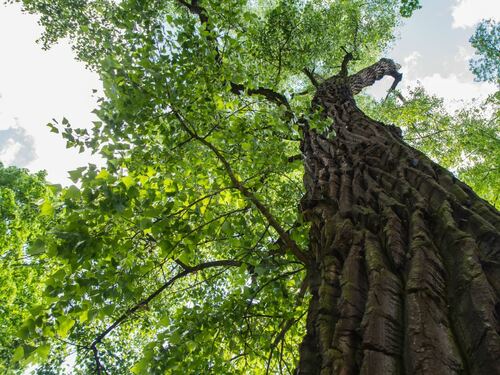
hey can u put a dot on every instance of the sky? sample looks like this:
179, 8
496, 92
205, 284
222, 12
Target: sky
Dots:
37, 86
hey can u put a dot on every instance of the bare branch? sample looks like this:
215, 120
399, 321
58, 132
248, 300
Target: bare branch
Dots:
310, 75
269, 94
399, 96
347, 58
367, 76
98, 364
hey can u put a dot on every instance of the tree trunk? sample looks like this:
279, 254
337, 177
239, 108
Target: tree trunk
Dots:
405, 259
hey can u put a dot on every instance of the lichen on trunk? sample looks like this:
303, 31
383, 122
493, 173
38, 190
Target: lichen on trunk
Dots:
405, 259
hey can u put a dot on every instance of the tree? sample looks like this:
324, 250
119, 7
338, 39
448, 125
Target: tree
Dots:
22, 203
191, 252
486, 41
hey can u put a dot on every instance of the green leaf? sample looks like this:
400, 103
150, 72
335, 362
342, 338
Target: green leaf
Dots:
53, 128
64, 326
84, 316
37, 247
76, 174
72, 192
18, 354
128, 181
102, 175
140, 367
246, 146
46, 209
43, 351
191, 345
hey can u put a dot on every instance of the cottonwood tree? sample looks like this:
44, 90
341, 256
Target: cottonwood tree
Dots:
251, 218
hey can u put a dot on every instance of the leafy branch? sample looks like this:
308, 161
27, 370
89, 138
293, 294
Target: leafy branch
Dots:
237, 88
187, 270
283, 234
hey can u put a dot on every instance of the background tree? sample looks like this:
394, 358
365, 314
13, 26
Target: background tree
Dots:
189, 250
23, 202
486, 40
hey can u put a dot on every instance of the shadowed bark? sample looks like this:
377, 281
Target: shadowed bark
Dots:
405, 258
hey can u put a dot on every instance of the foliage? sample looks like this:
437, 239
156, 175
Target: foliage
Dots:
24, 198
408, 7
486, 40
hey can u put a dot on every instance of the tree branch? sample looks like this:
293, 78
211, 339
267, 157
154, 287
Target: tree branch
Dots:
202, 14
347, 58
310, 75
224, 215
289, 242
289, 323
367, 76
398, 95
293, 158
96, 359
236, 88
269, 94
196, 9
188, 270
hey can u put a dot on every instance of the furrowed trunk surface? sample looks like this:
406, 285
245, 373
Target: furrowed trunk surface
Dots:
405, 258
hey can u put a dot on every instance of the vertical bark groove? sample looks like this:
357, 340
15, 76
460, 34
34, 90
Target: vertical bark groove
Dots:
405, 259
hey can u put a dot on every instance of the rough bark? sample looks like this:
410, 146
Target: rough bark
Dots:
405, 258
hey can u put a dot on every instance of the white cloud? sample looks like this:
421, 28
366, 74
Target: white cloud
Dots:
454, 91
36, 86
464, 54
10, 149
411, 60
467, 13
17, 146
410, 64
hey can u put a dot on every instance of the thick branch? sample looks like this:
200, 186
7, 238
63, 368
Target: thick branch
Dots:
347, 58
399, 96
269, 94
310, 75
293, 158
290, 244
367, 77
96, 359
196, 9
